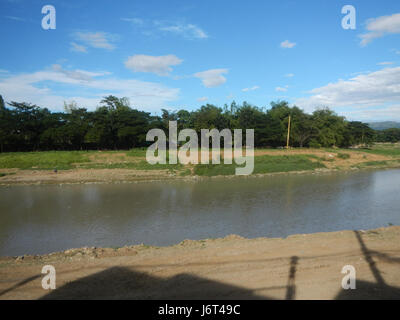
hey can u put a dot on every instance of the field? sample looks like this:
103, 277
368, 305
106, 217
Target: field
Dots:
106, 166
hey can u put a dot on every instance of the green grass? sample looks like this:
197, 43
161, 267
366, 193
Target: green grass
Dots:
137, 152
384, 163
387, 149
375, 163
343, 156
313, 156
139, 165
267, 164
262, 164
64, 160
185, 173
134, 159
210, 170
42, 160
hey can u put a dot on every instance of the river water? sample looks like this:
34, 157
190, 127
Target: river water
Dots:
44, 219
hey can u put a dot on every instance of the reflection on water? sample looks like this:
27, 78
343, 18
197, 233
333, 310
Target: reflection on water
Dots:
43, 219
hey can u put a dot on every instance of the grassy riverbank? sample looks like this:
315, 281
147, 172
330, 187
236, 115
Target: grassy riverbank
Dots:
98, 166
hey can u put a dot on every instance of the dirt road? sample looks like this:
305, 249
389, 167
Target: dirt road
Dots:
298, 267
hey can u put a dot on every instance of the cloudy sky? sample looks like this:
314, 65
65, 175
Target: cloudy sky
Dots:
182, 54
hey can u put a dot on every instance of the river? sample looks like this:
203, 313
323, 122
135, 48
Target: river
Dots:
44, 219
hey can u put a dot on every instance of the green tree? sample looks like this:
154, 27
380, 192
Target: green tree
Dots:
2, 105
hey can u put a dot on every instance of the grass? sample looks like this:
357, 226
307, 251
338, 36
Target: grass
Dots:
138, 152
210, 170
384, 149
65, 160
383, 163
186, 172
139, 165
135, 159
375, 163
267, 164
262, 164
343, 156
42, 160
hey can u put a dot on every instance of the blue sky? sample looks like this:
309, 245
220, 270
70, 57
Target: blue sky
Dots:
182, 54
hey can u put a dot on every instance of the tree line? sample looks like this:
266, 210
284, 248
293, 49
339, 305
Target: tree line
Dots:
388, 135
115, 125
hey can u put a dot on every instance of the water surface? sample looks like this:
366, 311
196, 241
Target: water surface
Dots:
43, 219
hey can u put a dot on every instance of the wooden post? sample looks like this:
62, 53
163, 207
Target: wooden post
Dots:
288, 134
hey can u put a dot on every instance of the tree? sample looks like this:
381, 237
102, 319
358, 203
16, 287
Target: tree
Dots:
388, 135
209, 117
4, 124
330, 128
2, 105
114, 124
359, 133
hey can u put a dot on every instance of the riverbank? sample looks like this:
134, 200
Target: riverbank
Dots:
305, 266
130, 166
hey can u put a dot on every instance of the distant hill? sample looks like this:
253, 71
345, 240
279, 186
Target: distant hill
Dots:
382, 125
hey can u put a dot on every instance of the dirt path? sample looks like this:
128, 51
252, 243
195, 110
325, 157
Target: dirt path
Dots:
298, 267
82, 176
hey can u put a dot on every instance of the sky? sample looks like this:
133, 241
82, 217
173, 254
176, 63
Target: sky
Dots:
181, 54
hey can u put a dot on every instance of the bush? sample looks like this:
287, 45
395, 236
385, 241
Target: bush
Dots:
314, 144
343, 156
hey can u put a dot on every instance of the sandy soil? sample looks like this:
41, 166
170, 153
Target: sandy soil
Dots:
298, 267
82, 176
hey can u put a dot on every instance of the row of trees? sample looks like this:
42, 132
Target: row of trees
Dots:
115, 125
388, 135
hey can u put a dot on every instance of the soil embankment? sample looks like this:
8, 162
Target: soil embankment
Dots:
298, 267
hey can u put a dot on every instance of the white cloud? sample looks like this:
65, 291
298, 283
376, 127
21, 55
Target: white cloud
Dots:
101, 40
3, 71
250, 89
287, 44
378, 88
160, 65
153, 27
212, 78
15, 18
189, 31
202, 99
289, 75
78, 48
381, 26
385, 63
391, 112
137, 21
85, 87
282, 89
78, 74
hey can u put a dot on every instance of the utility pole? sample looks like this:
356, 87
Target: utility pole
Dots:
288, 134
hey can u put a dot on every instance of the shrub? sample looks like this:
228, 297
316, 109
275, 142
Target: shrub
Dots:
314, 144
343, 155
